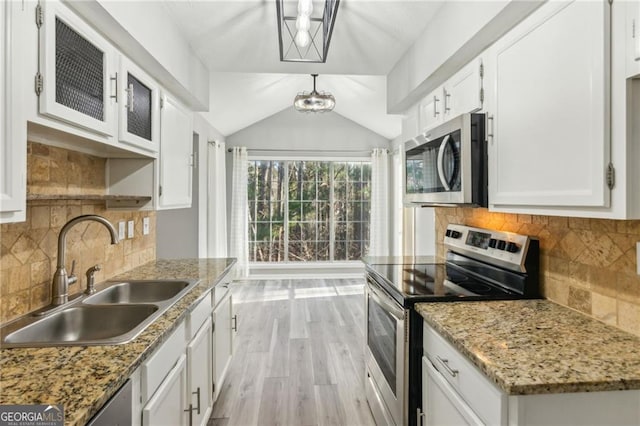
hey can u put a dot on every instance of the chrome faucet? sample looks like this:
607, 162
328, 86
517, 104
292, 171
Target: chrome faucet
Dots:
61, 281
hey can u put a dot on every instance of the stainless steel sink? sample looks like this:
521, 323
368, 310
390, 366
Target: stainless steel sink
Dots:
115, 314
138, 292
83, 323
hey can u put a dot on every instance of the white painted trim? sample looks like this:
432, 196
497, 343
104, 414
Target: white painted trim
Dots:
306, 265
259, 277
276, 157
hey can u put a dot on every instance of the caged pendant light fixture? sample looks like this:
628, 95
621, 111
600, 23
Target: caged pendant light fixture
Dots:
314, 101
304, 31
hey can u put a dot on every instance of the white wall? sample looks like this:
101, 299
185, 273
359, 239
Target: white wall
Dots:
458, 32
294, 131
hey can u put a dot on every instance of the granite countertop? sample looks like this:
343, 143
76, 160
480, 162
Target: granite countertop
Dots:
83, 378
536, 346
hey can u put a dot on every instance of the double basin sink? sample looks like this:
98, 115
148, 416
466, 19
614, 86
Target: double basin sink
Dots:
115, 314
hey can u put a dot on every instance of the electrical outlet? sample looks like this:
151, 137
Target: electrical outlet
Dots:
121, 230
130, 229
145, 226
638, 257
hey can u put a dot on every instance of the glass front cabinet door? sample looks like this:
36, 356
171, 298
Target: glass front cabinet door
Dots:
76, 65
139, 106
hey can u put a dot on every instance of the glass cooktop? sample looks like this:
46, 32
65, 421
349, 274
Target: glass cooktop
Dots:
411, 283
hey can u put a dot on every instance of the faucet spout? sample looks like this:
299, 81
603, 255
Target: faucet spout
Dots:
60, 285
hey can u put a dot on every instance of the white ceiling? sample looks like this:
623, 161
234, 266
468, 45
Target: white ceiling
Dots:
238, 41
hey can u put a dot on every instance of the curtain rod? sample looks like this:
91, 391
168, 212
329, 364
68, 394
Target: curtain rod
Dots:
293, 151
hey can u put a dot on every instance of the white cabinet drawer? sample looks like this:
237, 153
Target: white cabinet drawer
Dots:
198, 316
484, 398
220, 291
155, 369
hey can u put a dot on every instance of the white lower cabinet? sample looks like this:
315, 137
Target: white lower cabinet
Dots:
176, 384
455, 392
224, 323
200, 375
168, 406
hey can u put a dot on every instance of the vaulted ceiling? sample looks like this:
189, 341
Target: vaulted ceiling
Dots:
238, 41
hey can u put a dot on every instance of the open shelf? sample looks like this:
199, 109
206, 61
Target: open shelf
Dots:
111, 200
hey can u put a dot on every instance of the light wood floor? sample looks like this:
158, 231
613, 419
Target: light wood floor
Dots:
298, 358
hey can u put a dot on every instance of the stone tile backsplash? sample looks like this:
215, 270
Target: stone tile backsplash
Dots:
586, 264
28, 250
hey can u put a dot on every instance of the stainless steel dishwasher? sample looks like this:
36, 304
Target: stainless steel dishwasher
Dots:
117, 411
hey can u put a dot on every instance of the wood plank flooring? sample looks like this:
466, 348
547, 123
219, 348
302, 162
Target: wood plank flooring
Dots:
298, 357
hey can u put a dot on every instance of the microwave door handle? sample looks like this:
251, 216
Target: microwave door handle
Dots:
440, 163
387, 306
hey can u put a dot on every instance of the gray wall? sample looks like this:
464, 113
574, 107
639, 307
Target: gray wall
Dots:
177, 230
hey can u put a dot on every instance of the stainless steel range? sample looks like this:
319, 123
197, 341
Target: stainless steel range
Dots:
480, 265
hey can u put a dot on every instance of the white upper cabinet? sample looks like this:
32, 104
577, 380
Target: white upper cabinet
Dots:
176, 155
549, 139
463, 92
13, 131
460, 94
139, 106
430, 109
76, 69
633, 38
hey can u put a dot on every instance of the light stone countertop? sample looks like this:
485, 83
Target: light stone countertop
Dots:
537, 347
83, 378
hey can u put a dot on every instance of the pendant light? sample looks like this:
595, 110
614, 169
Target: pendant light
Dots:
314, 101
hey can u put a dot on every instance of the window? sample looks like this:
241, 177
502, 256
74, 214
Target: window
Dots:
308, 210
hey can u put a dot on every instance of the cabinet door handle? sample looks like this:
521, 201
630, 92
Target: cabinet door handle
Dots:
445, 364
435, 106
190, 410
130, 97
198, 394
490, 128
115, 81
447, 95
420, 417
234, 327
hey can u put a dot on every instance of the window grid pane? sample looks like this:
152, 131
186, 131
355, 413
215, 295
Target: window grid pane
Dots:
308, 210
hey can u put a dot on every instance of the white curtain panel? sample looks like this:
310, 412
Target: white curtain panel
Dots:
379, 238
239, 246
217, 200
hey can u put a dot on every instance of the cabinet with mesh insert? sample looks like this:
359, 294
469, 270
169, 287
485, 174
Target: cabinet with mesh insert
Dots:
76, 66
139, 106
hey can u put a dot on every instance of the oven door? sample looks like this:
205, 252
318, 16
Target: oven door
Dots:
387, 351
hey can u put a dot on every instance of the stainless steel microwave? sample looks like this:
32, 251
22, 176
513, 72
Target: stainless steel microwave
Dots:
447, 165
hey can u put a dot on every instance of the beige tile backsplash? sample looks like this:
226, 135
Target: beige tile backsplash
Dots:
29, 249
586, 264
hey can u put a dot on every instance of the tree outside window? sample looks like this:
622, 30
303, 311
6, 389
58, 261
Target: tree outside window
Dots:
308, 210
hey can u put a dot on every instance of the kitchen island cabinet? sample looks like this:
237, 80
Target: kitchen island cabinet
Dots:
526, 362
83, 378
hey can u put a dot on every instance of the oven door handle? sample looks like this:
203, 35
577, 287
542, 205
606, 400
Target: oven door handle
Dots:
440, 163
382, 300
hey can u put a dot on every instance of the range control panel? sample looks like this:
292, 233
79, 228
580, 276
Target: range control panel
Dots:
504, 248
